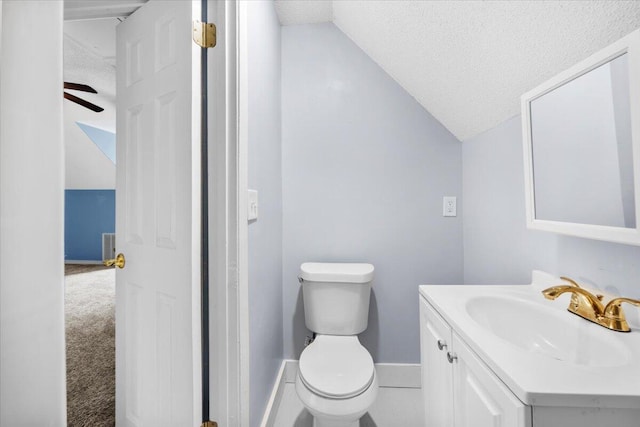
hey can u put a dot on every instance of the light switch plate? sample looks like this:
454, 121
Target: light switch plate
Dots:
252, 205
449, 206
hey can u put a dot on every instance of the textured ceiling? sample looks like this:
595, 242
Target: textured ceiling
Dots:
468, 62
89, 49
90, 54
89, 59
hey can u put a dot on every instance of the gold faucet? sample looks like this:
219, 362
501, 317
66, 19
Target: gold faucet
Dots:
590, 307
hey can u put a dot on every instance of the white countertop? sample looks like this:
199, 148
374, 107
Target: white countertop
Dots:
536, 378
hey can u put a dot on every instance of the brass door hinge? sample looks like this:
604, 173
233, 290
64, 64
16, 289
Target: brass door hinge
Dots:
209, 424
204, 34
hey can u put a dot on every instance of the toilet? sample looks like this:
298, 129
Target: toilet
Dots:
336, 379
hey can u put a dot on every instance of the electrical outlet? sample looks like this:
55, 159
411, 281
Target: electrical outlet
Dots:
449, 206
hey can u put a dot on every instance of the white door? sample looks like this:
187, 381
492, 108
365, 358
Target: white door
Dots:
157, 217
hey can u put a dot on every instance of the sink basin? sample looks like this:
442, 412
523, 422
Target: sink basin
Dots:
553, 333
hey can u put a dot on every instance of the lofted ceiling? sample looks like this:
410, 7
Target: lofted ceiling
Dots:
90, 48
89, 58
468, 62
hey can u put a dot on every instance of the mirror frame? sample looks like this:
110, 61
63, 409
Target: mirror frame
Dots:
630, 45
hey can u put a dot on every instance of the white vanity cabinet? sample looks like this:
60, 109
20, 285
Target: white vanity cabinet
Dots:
503, 356
437, 372
459, 390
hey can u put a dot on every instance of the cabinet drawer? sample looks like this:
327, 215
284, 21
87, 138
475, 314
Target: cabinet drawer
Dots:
480, 398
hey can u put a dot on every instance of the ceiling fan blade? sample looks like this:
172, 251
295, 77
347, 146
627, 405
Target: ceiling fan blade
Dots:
79, 86
80, 101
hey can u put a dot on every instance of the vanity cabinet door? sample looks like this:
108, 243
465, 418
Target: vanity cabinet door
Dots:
480, 398
437, 380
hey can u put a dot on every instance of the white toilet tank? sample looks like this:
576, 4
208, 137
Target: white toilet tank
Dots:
336, 297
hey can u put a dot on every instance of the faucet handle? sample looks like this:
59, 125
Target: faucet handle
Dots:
570, 280
575, 284
614, 314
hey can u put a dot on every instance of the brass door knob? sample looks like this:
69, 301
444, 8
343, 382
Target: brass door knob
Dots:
118, 261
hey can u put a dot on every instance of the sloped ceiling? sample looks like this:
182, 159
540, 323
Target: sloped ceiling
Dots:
468, 62
89, 58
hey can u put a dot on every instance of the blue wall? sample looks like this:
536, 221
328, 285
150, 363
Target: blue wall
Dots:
87, 214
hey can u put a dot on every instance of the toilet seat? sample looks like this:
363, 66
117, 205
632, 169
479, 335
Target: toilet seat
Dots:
336, 367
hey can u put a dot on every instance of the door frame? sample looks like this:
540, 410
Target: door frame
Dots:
228, 243
228, 227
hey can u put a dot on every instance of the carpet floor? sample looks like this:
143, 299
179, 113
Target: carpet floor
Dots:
90, 341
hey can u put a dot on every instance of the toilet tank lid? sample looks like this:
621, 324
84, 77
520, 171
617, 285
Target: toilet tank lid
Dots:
336, 272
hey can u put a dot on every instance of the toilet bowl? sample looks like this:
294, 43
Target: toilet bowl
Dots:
336, 379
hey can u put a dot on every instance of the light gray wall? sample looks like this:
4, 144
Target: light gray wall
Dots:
265, 234
497, 246
364, 170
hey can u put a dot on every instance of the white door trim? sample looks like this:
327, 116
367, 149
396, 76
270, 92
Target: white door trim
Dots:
243, 186
228, 304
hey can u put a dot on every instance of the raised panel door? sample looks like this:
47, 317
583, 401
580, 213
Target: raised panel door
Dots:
157, 218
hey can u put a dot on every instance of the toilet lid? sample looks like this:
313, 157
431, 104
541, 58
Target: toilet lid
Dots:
336, 366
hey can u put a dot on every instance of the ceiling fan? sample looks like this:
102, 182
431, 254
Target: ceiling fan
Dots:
80, 101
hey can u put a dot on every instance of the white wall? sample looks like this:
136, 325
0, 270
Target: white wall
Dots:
497, 246
32, 361
364, 169
265, 234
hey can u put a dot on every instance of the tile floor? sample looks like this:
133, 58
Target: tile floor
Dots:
394, 407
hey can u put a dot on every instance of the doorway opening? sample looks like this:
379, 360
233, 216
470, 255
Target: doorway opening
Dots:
89, 114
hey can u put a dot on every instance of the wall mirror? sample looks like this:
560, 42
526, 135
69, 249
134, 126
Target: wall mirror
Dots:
581, 134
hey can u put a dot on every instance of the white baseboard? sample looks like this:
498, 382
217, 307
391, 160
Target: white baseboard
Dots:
290, 371
83, 261
397, 375
276, 397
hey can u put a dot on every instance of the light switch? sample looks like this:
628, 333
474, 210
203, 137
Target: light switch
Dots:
252, 205
449, 206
